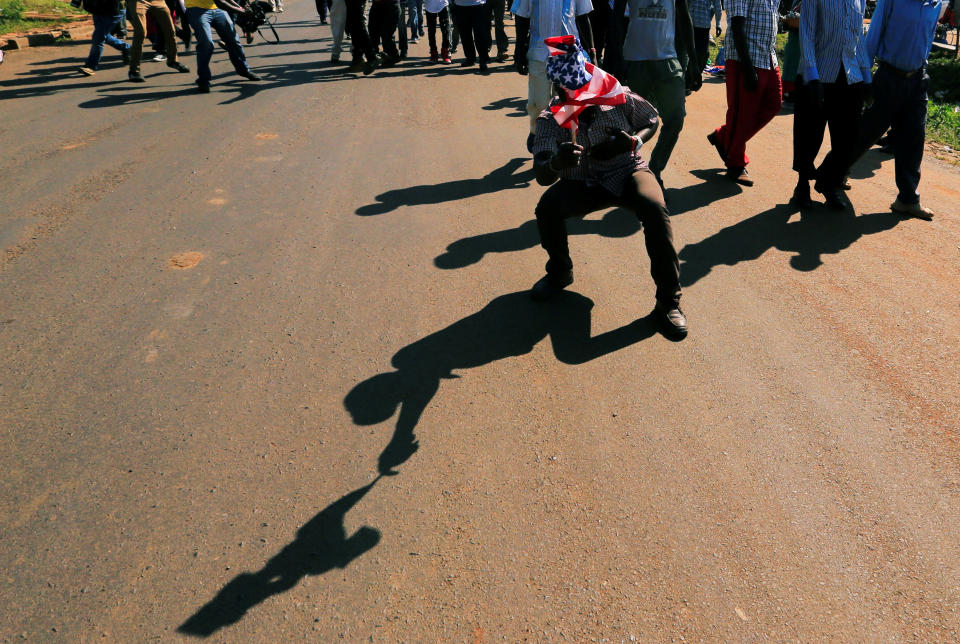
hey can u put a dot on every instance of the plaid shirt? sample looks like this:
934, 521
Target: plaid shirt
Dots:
761, 31
634, 115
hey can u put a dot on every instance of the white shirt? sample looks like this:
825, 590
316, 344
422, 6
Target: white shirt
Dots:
549, 18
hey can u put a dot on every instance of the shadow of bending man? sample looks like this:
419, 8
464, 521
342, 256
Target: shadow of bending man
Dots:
505, 177
510, 325
321, 545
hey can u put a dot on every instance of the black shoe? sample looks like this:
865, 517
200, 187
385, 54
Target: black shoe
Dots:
203, 88
180, 67
390, 61
502, 57
739, 175
369, 66
484, 69
323, 21
672, 319
530, 139
135, 77
125, 55
249, 75
715, 142
549, 285
468, 63
801, 196
833, 197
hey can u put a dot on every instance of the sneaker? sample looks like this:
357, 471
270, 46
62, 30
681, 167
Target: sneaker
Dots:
673, 321
249, 75
135, 77
739, 175
159, 58
356, 67
86, 71
550, 285
180, 67
912, 210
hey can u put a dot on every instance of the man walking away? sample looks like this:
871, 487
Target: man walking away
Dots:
753, 82
137, 11
107, 14
473, 21
900, 36
830, 90
207, 14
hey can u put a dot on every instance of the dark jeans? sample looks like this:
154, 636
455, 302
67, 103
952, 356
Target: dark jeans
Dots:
474, 26
496, 9
444, 30
384, 15
569, 198
322, 7
359, 38
842, 104
202, 20
701, 40
103, 25
901, 104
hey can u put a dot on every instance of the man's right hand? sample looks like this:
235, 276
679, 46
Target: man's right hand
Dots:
750, 80
520, 63
567, 156
816, 92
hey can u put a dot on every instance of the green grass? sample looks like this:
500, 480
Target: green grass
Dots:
12, 20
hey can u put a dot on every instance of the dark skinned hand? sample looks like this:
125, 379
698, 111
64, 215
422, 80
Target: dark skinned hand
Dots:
567, 156
618, 142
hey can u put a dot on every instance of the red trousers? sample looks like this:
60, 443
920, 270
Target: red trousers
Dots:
747, 112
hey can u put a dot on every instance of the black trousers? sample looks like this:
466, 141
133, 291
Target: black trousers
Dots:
384, 15
322, 7
496, 9
901, 104
842, 104
570, 198
474, 26
701, 40
359, 38
444, 19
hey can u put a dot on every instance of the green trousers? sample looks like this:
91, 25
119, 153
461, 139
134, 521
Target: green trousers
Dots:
662, 83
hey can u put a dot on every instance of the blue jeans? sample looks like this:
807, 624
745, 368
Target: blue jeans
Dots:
102, 26
202, 20
415, 19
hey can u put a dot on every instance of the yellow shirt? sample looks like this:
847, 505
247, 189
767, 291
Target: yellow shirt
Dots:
201, 4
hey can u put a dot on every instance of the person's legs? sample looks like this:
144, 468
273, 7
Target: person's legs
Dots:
220, 21
137, 13
389, 23
498, 8
843, 104
432, 35
444, 19
642, 194
480, 21
161, 16
749, 111
200, 21
808, 127
701, 40
877, 118
564, 199
101, 28
538, 91
909, 127
338, 23
413, 20
462, 18
360, 39
668, 95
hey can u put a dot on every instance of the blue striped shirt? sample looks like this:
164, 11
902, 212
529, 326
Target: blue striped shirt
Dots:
901, 32
830, 35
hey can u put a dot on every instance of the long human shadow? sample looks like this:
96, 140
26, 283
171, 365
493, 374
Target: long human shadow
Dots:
713, 187
321, 545
510, 325
818, 232
505, 177
517, 104
618, 222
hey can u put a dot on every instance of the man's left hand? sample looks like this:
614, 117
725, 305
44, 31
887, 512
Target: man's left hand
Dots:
619, 142
694, 77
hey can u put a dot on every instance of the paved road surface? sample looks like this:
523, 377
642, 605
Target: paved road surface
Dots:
219, 314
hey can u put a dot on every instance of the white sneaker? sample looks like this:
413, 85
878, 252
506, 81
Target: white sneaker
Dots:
159, 58
912, 210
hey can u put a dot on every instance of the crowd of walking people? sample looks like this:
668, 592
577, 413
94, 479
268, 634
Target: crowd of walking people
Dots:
859, 82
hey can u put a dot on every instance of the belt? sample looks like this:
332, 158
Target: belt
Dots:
899, 72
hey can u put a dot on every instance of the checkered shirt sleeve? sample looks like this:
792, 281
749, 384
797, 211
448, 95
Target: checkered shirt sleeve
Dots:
761, 31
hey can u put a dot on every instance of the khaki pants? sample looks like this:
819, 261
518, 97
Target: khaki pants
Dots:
539, 90
137, 12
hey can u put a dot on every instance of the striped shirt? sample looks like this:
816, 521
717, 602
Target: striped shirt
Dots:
830, 36
634, 115
761, 28
901, 32
701, 11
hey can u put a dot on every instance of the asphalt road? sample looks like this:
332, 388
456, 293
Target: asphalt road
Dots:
221, 314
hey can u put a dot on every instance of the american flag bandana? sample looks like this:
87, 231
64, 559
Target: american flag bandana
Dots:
583, 83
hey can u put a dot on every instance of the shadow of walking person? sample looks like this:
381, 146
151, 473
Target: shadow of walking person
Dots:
510, 325
321, 545
503, 178
619, 222
818, 232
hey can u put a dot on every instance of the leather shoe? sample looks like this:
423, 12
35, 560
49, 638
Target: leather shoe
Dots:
739, 175
801, 195
180, 67
833, 197
550, 284
912, 210
672, 319
249, 76
715, 142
